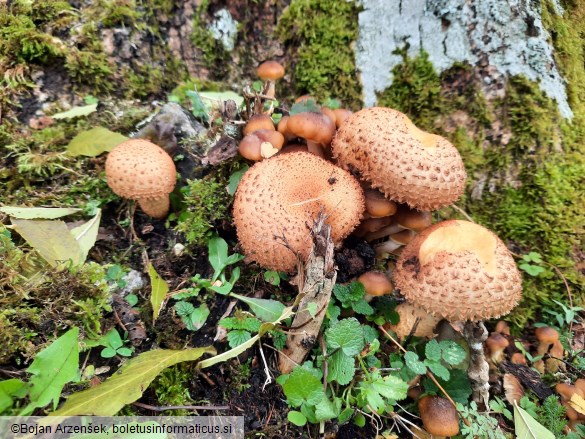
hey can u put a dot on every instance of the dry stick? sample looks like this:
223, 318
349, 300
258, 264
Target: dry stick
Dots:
180, 407
429, 374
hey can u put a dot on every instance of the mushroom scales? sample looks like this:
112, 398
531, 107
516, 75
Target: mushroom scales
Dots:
278, 197
407, 164
140, 170
460, 271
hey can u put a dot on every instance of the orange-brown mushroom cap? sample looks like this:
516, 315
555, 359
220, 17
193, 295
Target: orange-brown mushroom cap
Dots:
258, 122
278, 197
460, 271
313, 127
270, 70
406, 164
140, 170
376, 283
439, 416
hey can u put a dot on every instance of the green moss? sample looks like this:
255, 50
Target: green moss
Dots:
320, 34
536, 179
206, 202
171, 388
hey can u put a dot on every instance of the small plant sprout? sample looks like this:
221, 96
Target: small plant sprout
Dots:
114, 344
531, 264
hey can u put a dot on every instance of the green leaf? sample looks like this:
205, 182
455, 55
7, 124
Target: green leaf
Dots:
108, 353
51, 239
433, 350
341, 368
312, 308
158, 291
80, 111
302, 387
348, 294
112, 339
526, 427
38, 212
297, 418
132, 299
359, 420
458, 386
93, 142
238, 337
196, 318
382, 391
346, 334
363, 307
413, 363
345, 415
327, 409
235, 178
241, 322
52, 368
8, 389
125, 352
452, 353
86, 234
218, 254
266, 310
128, 384
438, 369
272, 277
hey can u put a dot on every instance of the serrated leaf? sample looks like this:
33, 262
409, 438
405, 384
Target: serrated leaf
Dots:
297, 418
309, 105
433, 350
438, 369
526, 427
38, 212
341, 368
327, 409
578, 403
86, 234
302, 387
52, 368
80, 111
347, 335
363, 307
93, 142
51, 239
414, 364
452, 353
266, 310
238, 337
128, 384
158, 291
391, 387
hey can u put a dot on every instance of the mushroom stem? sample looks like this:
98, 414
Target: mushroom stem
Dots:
155, 207
384, 232
315, 148
475, 334
382, 250
269, 89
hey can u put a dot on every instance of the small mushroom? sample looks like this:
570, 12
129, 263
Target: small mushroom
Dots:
140, 170
260, 144
518, 358
502, 327
316, 128
439, 416
258, 122
496, 344
270, 72
376, 284
377, 205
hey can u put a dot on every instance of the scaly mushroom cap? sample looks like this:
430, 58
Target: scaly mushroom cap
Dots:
280, 196
408, 315
408, 165
139, 169
460, 271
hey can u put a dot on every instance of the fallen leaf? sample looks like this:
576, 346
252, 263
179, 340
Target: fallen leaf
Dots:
512, 388
578, 403
128, 384
86, 234
51, 239
38, 212
215, 98
159, 290
527, 427
83, 110
94, 142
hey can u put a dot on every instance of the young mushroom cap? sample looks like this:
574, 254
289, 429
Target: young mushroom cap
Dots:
258, 122
496, 343
376, 283
407, 165
277, 199
311, 126
377, 205
140, 170
460, 271
439, 416
408, 316
260, 144
270, 70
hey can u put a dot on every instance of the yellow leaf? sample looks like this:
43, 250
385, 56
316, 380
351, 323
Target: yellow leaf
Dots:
159, 290
578, 403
